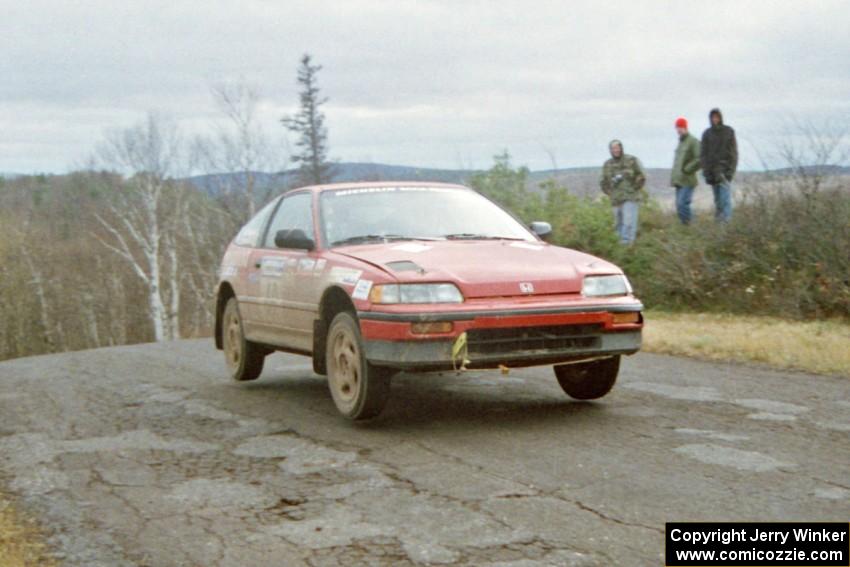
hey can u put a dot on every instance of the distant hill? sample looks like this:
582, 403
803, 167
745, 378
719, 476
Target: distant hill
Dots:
583, 181
814, 170
580, 179
382, 172
343, 172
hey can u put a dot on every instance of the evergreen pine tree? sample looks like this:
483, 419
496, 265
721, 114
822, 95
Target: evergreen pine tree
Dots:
309, 125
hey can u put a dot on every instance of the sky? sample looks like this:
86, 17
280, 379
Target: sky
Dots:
432, 84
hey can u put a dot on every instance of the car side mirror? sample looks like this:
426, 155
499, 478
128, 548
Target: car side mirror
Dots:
541, 229
293, 238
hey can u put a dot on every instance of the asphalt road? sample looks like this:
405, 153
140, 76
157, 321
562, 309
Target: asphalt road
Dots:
148, 455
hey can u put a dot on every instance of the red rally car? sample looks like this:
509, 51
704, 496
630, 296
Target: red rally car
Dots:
370, 279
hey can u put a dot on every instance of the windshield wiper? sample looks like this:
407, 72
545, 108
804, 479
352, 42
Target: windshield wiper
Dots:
370, 237
473, 236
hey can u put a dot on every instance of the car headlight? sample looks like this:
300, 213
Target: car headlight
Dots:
416, 293
598, 286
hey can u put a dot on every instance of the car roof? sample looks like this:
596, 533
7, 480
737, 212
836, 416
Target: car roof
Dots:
370, 184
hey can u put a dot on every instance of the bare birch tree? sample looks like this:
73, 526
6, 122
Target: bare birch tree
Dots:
52, 329
138, 224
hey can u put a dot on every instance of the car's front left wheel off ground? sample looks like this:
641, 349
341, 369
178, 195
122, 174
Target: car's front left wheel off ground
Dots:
359, 389
244, 358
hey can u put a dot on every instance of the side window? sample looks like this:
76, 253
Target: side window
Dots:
295, 211
250, 233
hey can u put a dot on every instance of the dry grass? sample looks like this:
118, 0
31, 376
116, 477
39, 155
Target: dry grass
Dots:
821, 347
21, 541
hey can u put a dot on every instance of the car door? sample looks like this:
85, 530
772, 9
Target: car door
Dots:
286, 276
248, 242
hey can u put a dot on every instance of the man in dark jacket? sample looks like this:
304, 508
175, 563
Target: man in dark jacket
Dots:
685, 167
719, 159
623, 180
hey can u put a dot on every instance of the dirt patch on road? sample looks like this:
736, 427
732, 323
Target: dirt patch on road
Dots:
21, 539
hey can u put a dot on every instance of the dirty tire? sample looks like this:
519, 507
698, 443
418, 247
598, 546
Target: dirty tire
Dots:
360, 390
244, 359
588, 380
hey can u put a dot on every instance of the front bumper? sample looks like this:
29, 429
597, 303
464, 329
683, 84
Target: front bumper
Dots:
502, 336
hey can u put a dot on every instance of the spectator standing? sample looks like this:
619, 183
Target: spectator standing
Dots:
623, 180
719, 160
686, 163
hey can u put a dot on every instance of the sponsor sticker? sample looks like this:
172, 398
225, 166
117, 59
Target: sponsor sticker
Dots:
320, 264
346, 276
272, 267
227, 271
306, 264
361, 290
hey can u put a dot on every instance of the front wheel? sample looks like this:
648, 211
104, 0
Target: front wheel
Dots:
588, 380
244, 358
359, 389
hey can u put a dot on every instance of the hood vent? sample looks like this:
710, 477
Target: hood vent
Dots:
404, 266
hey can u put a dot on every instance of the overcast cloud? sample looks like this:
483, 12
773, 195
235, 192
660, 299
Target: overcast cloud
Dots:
443, 84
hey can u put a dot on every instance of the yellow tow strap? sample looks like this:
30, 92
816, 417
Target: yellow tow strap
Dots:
460, 353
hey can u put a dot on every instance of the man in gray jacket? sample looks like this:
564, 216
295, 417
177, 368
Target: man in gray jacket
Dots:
623, 180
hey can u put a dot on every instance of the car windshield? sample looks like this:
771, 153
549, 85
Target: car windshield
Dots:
355, 216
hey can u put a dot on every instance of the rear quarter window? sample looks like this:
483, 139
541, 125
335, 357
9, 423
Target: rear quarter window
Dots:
249, 235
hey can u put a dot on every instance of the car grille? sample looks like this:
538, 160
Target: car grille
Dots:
532, 339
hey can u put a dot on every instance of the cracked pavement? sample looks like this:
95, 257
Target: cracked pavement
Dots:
148, 455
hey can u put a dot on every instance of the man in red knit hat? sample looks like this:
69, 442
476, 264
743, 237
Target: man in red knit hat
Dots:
686, 163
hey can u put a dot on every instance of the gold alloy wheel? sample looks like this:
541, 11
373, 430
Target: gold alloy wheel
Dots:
243, 358
360, 390
345, 372
232, 339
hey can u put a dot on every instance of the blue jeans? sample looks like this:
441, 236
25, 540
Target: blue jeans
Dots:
722, 201
626, 221
683, 203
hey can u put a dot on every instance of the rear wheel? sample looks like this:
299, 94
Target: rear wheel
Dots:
360, 390
244, 358
588, 380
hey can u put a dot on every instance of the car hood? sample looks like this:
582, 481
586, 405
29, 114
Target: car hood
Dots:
484, 268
